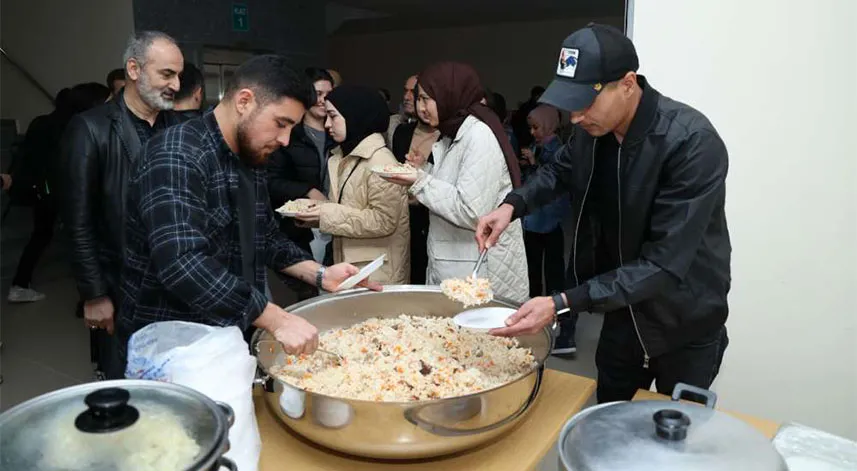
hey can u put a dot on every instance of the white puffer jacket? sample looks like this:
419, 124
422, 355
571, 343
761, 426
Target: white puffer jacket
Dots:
469, 179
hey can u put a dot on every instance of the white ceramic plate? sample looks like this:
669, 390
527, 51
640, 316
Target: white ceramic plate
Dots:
483, 319
379, 170
362, 274
289, 214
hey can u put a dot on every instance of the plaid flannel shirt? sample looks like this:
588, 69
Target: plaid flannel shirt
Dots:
183, 250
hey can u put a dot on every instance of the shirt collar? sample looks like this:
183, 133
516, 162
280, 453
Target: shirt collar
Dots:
216, 134
646, 113
159, 117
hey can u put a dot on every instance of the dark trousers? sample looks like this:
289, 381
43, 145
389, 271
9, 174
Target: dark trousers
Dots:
620, 361
419, 225
104, 349
545, 257
44, 219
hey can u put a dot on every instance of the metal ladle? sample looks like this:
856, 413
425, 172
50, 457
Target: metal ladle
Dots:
339, 359
475, 273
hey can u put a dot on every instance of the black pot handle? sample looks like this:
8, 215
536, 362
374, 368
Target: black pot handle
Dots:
681, 390
108, 411
671, 424
224, 462
228, 412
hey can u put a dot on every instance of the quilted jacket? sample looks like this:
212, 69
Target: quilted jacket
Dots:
468, 179
367, 215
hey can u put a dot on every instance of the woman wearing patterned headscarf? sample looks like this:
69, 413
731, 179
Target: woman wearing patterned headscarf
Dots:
474, 168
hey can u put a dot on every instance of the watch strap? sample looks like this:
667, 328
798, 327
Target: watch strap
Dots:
319, 276
559, 304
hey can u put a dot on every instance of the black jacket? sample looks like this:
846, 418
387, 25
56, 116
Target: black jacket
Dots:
675, 250
292, 172
419, 214
98, 148
36, 173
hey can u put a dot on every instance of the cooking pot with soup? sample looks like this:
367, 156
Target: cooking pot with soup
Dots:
403, 428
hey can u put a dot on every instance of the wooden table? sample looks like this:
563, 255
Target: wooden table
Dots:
523, 448
767, 427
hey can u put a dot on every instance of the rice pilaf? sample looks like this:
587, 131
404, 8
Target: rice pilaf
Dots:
469, 291
407, 358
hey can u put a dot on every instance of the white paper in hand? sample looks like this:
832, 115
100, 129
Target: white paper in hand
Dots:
362, 274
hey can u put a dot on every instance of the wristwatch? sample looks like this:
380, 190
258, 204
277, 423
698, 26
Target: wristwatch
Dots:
559, 304
319, 276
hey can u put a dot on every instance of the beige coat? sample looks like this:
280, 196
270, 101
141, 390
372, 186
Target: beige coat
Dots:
372, 218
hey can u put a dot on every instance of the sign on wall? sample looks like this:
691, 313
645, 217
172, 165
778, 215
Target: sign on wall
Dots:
239, 17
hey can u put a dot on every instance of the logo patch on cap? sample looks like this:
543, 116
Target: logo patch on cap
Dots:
567, 62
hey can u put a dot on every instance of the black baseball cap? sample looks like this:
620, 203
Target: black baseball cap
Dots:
589, 59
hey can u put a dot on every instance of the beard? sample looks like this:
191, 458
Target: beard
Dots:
249, 156
158, 99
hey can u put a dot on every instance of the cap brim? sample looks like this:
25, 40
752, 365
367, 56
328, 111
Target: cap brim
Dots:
569, 96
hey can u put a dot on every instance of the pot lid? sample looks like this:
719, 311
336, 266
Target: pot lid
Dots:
113, 425
663, 436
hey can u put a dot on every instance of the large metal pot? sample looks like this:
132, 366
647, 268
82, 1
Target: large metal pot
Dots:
397, 430
97, 426
664, 436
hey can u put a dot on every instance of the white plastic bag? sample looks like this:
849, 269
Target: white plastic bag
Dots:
215, 361
318, 244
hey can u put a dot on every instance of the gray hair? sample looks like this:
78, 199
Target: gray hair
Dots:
139, 44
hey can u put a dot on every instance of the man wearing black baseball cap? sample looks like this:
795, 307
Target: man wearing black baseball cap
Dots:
651, 248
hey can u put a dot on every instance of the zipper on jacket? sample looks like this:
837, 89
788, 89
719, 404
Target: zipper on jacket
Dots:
621, 259
580, 215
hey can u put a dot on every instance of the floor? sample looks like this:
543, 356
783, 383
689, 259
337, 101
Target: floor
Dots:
45, 347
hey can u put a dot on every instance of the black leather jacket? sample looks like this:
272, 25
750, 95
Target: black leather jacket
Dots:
674, 259
98, 148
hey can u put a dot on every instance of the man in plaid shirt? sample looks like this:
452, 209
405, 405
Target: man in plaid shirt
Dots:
200, 231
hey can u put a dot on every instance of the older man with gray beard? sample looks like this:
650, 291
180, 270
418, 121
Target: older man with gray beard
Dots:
98, 148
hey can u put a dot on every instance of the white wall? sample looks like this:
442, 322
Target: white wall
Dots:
778, 81
61, 43
510, 57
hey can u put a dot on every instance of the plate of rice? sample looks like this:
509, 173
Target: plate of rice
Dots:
393, 170
406, 359
295, 207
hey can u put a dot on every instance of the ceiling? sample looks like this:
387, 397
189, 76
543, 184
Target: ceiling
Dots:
363, 16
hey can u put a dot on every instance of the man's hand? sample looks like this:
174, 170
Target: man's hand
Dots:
493, 224
316, 195
533, 316
98, 314
336, 274
7, 181
295, 334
